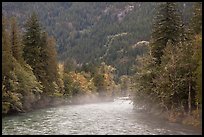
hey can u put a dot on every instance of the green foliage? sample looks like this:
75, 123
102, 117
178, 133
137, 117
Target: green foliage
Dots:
20, 88
99, 82
78, 84
27, 80
196, 27
199, 83
166, 77
70, 65
83, 29
40, 54
86, 38
11, 98
22, 84
5, 107
177, 69
143, 81
47, 65
7, 64
196, 21
32, 41
125, 85
198, 72
16, 43
89, 68
51, 65
167, 26
67, 84
103, 79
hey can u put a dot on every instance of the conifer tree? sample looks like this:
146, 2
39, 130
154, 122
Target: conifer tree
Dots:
20, 87
166, 26
167, 76
40, 53
48, 62
16, 41
196, 21
32, 41
196, 28
52, 60
6, 50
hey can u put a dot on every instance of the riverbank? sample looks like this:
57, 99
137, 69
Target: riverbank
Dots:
194, 119
46, 101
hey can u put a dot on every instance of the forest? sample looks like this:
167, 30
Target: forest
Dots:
95, 32
112, 50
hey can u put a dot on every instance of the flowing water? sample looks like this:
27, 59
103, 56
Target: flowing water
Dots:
116, 117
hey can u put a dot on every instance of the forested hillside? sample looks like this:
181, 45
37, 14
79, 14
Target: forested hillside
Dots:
97, 31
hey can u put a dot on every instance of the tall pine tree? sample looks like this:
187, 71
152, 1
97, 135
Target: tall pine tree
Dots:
32, 43
48, 63
40, 53
20, 87
16, 41
52, 67
7, 64
167, 25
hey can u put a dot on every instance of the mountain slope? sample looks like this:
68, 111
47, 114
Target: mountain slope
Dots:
95, 31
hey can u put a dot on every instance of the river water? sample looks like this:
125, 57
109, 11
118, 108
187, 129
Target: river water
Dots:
116, 118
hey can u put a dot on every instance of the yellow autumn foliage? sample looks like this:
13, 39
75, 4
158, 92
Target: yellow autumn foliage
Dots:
85, 85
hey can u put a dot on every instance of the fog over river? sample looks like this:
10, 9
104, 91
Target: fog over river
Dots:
116, 117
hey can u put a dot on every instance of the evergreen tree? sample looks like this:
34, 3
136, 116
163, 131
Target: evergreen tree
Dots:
6, 53
40, 53
166, 26
166, 76
70, 65
196, 24
7, 64
32, 41
16, 41
49, 62
20, 88
196, 21
198, 58
196, 38
52, 61
42, 64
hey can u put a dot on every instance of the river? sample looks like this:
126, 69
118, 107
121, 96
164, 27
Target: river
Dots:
114, 118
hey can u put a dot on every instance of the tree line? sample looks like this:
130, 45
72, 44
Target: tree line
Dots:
32, 76
169, 74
